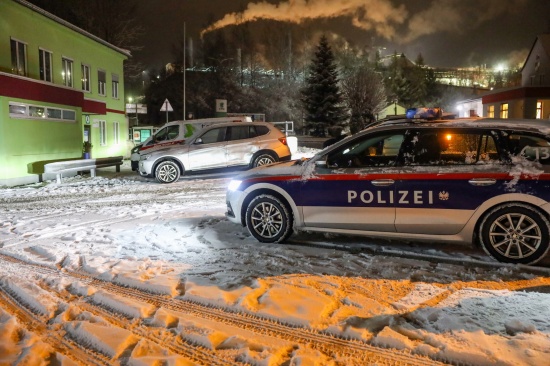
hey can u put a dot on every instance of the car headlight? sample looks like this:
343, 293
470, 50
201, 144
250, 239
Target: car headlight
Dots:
234, 185
145, 157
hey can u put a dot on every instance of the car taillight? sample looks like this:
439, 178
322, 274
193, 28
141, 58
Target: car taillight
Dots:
283, 140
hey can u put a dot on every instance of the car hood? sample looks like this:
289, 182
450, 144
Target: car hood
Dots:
287, 168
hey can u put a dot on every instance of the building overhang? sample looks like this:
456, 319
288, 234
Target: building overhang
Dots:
15, 86
517, 93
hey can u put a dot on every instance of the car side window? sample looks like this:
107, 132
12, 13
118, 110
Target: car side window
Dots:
261, 130
532, 148
380, 150
238, 133
165, 134
449, 148
213, 135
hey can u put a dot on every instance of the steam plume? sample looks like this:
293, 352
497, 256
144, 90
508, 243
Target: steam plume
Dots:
378, 15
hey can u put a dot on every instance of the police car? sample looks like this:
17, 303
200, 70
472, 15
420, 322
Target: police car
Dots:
480, 181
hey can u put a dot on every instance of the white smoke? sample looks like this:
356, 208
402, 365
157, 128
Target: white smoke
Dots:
380, 16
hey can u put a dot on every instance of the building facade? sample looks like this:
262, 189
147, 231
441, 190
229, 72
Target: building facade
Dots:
532, 99
60, 86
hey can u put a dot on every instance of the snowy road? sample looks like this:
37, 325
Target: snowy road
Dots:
122, 270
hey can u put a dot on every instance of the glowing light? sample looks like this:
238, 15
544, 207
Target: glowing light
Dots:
449, 137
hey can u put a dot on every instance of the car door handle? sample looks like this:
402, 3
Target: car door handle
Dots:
382, 182
481, 182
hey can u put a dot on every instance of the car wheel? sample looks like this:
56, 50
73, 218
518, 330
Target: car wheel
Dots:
515, 233
167, 172
263, 159
268, 219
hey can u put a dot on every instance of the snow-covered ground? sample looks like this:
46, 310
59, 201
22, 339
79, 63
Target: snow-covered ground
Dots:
119, 269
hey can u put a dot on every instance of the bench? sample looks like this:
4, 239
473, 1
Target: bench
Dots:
70, 166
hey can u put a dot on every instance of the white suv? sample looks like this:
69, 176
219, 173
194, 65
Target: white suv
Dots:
248, 144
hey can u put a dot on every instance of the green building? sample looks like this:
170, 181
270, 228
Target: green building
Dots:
60, 86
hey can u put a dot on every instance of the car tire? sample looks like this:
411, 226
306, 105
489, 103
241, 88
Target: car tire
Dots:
167, 172
268, 219
515, 233
263, 159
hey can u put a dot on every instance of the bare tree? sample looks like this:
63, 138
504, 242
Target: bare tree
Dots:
364, 93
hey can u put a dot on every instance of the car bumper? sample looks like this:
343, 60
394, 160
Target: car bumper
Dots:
234, 201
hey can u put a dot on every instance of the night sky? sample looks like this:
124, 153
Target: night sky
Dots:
448, 33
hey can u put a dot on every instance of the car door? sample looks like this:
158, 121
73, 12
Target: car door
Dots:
241, 144
446, 175
208, 150
352, 187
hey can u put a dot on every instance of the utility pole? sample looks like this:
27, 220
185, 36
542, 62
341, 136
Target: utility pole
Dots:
184, 67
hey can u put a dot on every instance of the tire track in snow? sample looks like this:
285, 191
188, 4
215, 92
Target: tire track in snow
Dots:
55, 338
325, 342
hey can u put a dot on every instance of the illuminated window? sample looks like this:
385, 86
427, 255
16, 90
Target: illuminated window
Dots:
45, 65
67, 72
504, 110
85, 77
116, 131
491, 111
539, 110
102, 133
114, 93
20, 110
18, 58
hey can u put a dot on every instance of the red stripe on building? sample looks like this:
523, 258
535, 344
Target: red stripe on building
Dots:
22, 88
94, 107
115, 111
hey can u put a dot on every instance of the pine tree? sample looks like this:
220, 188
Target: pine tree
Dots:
321, 96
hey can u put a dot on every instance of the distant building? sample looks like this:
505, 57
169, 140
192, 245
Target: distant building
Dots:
59, 86
530, 100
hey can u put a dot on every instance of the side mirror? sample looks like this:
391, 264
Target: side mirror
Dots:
321, 163
198, 141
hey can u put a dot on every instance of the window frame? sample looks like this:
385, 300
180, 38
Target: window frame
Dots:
504, 110
86, 77
116, 133
491, 111
66, 64
101, 84
45, 64
114, 86
16, 57
102, 132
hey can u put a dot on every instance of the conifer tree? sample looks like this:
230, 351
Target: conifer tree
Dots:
321, 96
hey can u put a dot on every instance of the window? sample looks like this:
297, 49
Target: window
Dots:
114, 92
449, 148
85, 77
20, 110
504, 110
116, 131
213, 135
18, 58
45, 65
166, 134
532, 148
379, 150
67, 72
102, 133
539, 110
491, 111
101, 82
240, 133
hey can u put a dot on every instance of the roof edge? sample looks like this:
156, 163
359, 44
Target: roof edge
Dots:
72, 27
